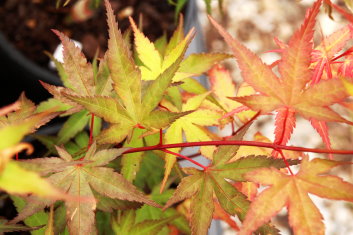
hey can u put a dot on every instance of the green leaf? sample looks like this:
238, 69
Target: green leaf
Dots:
49, 230
147, 52
105, 107
161, 44
151, 227
131, 162
109, 205
124, 223
15, 180
38, 219
236, 170
83, 179
226, 152
124, 73
16, 125
157, 89
114, 134
60, 68
103, 81
60, 219
193, 86
201, 63
104, 223
178, 34
6, 228
159, 119
82, 139
51, 104
151, 171
200, 186
79, 72
201, 215
175, 96
72, 126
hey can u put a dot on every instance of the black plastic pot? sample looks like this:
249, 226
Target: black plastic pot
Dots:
18, 73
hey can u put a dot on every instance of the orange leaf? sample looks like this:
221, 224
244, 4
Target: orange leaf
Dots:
221, 214
292, 192
292, 93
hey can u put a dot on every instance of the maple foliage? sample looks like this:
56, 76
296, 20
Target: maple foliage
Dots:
292, 192
143, 106
200, 186
81, 178
289, 94
21, 119
193, 128
137, 110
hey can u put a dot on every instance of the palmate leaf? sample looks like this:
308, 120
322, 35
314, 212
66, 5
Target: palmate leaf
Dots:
154, 63
192, 125
201, 185
125, 75
289, 95
38, 219
127, 224
13, 127
223, 87
80, 78
7, 228
322, 59
146, 212
16, 180
132, 108
82, 179
292, 191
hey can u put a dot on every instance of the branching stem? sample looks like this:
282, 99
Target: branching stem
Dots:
285, 161
186, 158
91, 131
240, 143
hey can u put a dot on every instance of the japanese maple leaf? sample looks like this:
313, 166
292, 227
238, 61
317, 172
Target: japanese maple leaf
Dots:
289, 94
323, 57
193, 126
201, 185
128, 224
292, 191
16, 121
244, 150
325, 54
133, 107
155, 62
80, 78
223, 86
83, 178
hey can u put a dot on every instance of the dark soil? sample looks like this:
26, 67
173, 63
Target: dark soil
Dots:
28, 23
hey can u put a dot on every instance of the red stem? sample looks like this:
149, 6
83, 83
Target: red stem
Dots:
194, 155
245, 124
186, 158
91, 131
240, 143
285, 161
160, 137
